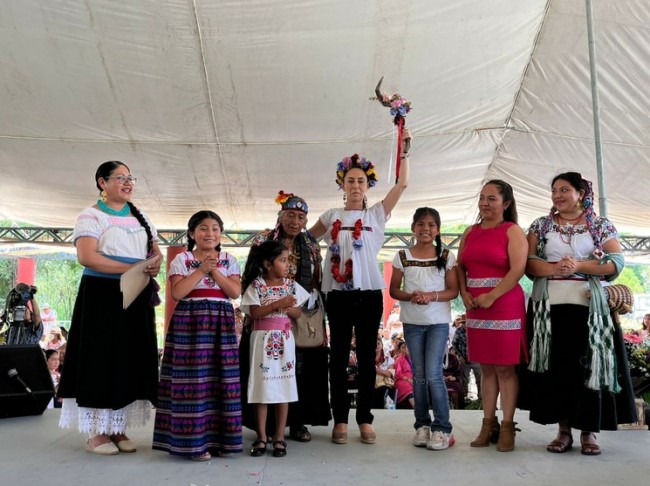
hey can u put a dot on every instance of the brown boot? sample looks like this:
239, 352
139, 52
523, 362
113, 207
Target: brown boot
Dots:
496, 428
506, 437
483, 439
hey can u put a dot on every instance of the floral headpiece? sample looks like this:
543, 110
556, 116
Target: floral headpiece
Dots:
289, 201
398, 104
356, 162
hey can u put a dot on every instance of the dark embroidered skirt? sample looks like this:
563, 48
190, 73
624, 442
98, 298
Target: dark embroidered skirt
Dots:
560, 393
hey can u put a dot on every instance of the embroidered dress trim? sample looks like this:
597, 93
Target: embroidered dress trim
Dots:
104, 420
494, 324
483, 282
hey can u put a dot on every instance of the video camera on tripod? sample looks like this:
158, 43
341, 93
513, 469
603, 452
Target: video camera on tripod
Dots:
16, 303
22, 315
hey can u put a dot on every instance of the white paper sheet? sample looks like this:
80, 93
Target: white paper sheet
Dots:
134, 281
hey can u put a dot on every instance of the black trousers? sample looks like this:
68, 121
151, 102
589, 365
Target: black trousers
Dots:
359, 311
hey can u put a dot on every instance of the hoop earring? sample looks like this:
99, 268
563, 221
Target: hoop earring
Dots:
103, 196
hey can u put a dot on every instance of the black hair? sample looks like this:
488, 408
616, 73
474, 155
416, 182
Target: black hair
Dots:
420, 213
268, 251
49, 353
194, 221
507, 194
104, 171
579, 183
575, 179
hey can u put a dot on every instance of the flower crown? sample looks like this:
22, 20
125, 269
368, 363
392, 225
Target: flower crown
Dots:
289, 200
356, 162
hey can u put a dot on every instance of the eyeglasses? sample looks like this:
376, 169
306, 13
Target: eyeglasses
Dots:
123, 180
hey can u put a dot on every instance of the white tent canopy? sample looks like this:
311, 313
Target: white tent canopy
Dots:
220, 104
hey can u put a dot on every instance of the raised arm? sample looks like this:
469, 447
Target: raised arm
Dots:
395, 193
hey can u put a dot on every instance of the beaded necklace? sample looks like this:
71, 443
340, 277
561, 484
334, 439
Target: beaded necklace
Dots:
346, 278
570, 227
107, 209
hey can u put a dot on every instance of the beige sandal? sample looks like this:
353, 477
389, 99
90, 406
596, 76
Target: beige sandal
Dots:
103, 449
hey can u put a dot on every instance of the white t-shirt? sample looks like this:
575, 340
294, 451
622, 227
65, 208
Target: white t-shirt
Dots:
422, 274
121, 236
365, 268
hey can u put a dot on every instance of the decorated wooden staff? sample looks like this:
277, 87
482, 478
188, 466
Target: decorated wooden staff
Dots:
399, 107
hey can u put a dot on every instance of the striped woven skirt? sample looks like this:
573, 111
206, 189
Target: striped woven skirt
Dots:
199, 397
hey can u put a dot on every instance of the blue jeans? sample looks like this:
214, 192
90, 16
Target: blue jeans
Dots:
427, 345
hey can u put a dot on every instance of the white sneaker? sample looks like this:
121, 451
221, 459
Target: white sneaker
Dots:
422, 436
440, 441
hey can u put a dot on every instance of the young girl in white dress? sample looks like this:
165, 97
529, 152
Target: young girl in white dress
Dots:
271, 300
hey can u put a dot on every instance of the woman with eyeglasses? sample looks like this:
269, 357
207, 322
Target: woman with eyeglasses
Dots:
103, 395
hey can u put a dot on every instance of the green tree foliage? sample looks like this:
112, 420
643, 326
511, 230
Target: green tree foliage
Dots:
57, 282
631, 277
7, 276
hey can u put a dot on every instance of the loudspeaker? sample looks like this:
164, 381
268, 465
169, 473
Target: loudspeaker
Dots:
25, 383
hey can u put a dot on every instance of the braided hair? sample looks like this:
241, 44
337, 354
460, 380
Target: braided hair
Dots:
104, 171
420, 213
195, 220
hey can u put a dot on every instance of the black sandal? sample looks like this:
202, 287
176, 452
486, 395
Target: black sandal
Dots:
257, 451
589, 449
301, 434
279, 452
558, 446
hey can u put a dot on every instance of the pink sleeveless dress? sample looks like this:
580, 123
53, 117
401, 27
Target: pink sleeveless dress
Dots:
496, 335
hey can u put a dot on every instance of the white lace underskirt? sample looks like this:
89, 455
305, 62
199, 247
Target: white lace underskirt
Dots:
104, 420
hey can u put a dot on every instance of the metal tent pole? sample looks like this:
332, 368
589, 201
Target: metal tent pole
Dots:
602, 198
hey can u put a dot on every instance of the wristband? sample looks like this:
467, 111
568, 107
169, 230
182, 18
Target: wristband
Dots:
437, 295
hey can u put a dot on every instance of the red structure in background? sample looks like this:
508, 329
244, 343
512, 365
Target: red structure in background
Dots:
26, 271
170, 303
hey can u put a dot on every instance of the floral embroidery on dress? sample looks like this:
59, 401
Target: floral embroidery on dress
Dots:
207, 280
274, 346
271, 293
541, 227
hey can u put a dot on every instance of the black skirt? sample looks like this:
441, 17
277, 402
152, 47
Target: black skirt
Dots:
112, 354
560, 393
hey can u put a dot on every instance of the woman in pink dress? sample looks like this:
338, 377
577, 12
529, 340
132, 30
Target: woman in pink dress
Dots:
491, 260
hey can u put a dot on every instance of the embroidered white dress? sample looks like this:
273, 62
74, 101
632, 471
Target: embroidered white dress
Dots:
272, 376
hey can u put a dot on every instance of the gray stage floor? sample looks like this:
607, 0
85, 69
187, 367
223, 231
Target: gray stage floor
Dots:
33, 450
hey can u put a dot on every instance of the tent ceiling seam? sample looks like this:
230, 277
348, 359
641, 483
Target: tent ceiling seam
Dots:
507, 125
208, 92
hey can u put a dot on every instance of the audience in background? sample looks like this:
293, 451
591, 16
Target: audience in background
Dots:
52, 357
404, 378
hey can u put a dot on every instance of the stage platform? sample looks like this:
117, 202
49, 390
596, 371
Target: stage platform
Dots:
33, 450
